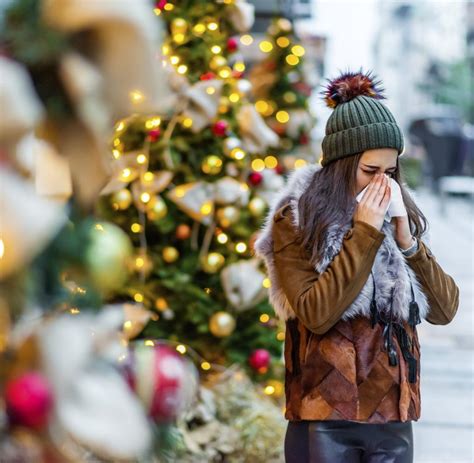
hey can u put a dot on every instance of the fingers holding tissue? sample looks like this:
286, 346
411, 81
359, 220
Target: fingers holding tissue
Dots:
396, 206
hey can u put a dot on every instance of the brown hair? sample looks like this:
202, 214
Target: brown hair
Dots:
331, 196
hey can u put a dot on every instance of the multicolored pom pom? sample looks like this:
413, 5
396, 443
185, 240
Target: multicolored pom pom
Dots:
350, 85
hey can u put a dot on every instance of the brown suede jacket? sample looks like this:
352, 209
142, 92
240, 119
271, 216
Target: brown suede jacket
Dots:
335, 369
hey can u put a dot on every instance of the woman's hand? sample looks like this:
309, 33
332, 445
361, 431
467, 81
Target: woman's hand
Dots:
403, 236
374, 204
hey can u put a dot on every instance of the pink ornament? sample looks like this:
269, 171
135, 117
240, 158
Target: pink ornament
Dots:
28, 400
219, 128
154, 134
232, 44
255, 178
160, 4
259, 359
161, 379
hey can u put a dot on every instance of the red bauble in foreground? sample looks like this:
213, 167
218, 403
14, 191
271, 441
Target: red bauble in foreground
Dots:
162, 379
259, 359
232, 44
28, 400
207, 76
255, 178
154, 134
219, 128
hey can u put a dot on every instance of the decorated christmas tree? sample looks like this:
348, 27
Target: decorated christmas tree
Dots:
191, 188
282, 93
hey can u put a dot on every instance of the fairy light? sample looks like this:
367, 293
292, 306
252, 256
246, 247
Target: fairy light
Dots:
216, 49
138, 297
224, 72
282, 116
117, 142
246, 39
269, 390
148, 177
135, 227
258, 165
168, 7
237, 153
141, 158
99, 227
116, 154
136, 96
182, 69
74, 311
222, 238
292, 60
125, 174
280, 336
264, 317
165, 49
298, 50
187, 122
174, 60
181, 348
213, 26
149, 343
261, 106
199, 29
210, 90
234, 97
120, 126
266, 283
205, 365
239, 66
145, 197
271, 162
241, 247
266, 46
282, 42
206, 208
179, 37
153, 123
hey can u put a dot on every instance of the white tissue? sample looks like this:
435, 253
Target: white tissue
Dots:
396, 207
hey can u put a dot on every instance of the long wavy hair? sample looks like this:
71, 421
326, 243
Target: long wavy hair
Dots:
331, 196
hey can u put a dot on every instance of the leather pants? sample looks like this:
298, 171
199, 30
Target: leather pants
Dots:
340, 441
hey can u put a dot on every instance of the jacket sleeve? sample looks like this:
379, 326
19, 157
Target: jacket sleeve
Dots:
320, 299
440, 288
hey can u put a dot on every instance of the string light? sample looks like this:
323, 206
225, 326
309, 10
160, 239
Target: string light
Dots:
138, 297
216, 49
246, 39
153, 123
135, 227
271, 162
182, 68
234, 97
280, 336
210, 90
298, 50
222, 238
141, 159
282, 42
282, 116
136, 96
174, 59
241, 247
266, 283
212, 26
292, 60
239, 66
264, 317
258, 165
300, 163
181, 348
205, 365
199, 29
266, 46
187, 122
261, 106
116, 153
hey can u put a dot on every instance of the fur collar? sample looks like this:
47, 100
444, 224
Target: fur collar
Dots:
390, 268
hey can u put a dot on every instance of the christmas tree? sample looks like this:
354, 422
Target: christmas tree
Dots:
282, 92
191, 188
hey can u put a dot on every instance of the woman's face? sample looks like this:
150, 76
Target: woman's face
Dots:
383, 160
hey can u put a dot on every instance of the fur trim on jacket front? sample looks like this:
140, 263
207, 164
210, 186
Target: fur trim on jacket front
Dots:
390, 269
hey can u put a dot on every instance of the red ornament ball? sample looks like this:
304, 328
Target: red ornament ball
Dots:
154, 134
29, 400
255, 178
219, 128
279, 169
160, 4
162, 380
232, 44
259, 359
207, 76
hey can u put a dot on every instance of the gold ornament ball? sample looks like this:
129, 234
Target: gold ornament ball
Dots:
157, 208
228, 215
217, 61
212, 262
122, 199
107, 256
183, 232
221, 324
170, 254
257, 206
179, 26
211, 165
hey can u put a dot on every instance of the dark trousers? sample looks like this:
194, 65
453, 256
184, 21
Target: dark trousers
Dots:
340, 441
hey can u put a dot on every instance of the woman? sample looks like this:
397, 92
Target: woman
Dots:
352, 283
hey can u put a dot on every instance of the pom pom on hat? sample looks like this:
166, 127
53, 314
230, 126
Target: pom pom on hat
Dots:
350, 85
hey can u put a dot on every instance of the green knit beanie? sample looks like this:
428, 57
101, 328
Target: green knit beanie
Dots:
359, 121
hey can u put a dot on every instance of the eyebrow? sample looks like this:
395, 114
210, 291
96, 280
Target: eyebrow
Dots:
376, 167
